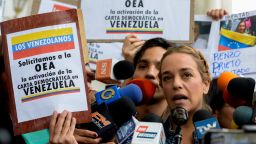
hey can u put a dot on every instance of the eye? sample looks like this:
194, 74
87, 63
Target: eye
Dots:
142, 66
166, 78
187, 75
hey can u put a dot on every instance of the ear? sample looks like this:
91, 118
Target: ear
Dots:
206, 87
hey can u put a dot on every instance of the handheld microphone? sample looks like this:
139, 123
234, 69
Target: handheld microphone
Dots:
180, 117
203, 121
151, 117
125, 132
241, 88
244, 115
106, 119
112, 94
224, 79
110, 71
122, 110
149, 133
147, 87
234, 102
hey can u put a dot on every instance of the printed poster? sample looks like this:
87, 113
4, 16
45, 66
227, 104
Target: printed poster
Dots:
112, 20
46, 71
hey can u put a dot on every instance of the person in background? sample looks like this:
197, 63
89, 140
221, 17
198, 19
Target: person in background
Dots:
185, 78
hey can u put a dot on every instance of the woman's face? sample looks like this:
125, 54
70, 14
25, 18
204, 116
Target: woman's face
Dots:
182, 83
241, 27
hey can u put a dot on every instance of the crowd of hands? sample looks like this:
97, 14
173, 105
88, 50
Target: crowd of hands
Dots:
62, 126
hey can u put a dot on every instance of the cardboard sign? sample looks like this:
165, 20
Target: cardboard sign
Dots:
45, 69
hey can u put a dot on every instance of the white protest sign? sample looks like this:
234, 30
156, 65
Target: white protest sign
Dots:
233, 44
112, 20
46, 71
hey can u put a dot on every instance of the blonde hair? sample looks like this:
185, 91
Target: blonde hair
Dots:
200, 60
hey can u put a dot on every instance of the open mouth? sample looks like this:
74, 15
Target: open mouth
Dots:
179, 97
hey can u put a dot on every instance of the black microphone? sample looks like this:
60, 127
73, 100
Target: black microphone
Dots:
106, 119
242, 88
151, 117
122, 110
123, 70
111, 71
180, 117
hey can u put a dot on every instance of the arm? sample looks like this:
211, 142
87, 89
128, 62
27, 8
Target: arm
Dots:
130, 46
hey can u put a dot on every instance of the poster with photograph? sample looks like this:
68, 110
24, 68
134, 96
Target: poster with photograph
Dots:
234, 45
202, 31
112, 20
45, 69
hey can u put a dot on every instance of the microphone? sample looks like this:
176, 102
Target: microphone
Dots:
242, 88
151, 117
125, 132
110, 71
180, 117
149, 133
224, 79
237, 91
203, 121
106, 119
244, 115
112, 94
122, 110
147, 87
234, 102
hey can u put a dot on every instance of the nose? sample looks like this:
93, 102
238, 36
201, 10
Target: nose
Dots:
177, 83
152, 73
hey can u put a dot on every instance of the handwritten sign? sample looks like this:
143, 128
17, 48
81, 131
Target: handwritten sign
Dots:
234, 46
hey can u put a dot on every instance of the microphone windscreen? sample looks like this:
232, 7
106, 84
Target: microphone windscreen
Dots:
122, 110
243, 115
234, 102
147, 87
151, 117
224, 79
132, 91
179, 116
201, 114
123, 70
242, 88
